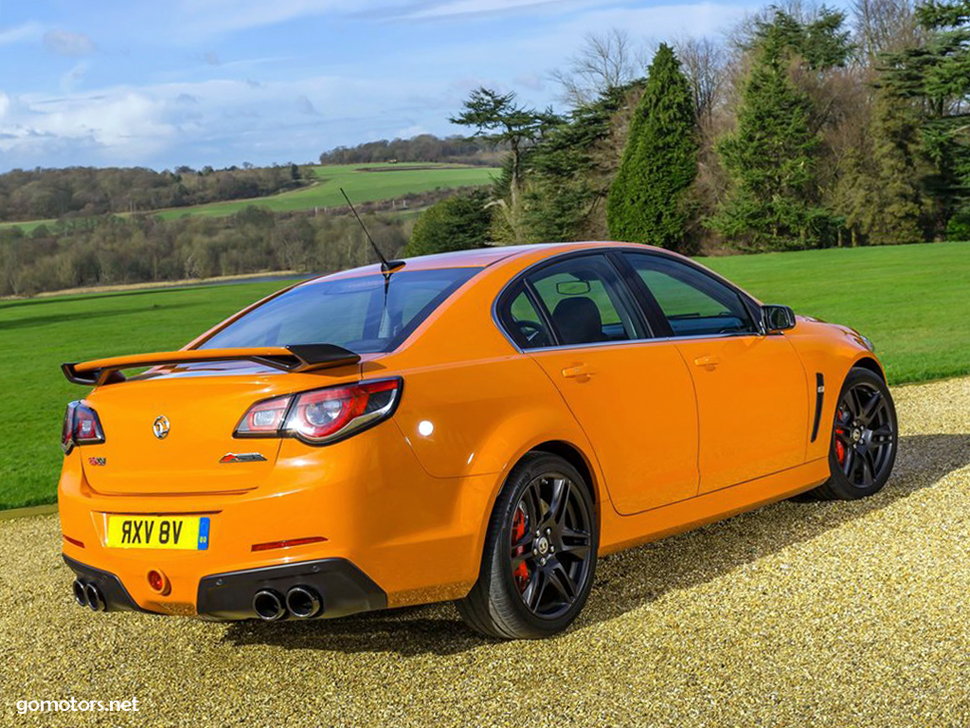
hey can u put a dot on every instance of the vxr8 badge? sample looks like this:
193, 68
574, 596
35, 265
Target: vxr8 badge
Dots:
243, 457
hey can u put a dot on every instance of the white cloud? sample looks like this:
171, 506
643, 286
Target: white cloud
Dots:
215, 122
67, 43
24, 33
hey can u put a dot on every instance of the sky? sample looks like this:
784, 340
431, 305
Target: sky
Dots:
222, 82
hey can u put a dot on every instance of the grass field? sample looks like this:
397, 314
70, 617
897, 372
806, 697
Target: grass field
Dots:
912, 301
363, 182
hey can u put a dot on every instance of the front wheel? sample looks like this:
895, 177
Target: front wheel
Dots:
865, 437
540, 553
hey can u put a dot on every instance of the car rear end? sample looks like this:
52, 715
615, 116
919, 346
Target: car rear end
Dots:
262, 483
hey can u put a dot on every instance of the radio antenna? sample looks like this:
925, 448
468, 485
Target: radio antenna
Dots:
387, 266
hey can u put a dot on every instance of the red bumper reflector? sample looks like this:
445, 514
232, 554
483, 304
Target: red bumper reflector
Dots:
287, 544
159, 582
79, 544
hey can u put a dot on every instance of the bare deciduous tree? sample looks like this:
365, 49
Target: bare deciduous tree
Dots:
885, 26
606, 60
704, 61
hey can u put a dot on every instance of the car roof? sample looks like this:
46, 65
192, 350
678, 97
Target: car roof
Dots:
479, 257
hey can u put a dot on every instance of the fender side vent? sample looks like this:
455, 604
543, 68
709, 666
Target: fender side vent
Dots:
819, 400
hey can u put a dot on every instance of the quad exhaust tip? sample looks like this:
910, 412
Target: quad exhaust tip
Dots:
87, 594
304, 602
80, 593
95, 599
269, 605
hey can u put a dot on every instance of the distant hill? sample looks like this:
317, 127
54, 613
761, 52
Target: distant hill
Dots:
86, 191
422, 148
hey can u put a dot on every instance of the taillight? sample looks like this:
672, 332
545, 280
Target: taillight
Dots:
81, 427
264, 418
322, 416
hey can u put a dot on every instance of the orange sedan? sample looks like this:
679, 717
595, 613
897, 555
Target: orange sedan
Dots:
476, 426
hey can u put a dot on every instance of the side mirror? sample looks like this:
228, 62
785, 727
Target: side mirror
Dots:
777, 318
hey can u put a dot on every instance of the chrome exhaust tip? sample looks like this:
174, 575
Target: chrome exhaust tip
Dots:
269, 605
94, 597
304, 602
80, 594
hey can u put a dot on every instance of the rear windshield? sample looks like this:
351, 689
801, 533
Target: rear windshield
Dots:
348, 312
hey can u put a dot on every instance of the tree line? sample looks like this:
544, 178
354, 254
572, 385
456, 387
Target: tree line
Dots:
110, 250
40, 194
421, 148
808, 127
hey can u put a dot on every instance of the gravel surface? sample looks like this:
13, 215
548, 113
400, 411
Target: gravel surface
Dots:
835, 614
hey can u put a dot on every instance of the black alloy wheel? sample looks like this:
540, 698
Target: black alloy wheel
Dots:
550, 545
540, 553
864, 439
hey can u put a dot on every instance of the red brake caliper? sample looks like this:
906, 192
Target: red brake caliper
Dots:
839, 447
521, 573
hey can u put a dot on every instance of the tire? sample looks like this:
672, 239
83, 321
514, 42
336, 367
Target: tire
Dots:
536, 585
865, 438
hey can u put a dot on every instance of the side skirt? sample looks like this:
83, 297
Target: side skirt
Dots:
621, 532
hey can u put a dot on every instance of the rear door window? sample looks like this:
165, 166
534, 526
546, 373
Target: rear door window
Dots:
586, 302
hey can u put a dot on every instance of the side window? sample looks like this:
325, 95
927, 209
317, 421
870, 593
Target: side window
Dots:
523, 322
694, 304
585, 301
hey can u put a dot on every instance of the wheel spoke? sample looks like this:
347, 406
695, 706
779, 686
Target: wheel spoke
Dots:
563, 584
869, 410
852, 404
534, 591
849, 462
560, 500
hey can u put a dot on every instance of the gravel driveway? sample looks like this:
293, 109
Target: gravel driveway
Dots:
836, 614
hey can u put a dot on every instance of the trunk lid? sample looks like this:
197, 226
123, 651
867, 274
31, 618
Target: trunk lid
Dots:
201, 405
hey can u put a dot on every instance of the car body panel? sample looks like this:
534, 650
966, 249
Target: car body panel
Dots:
646, 434
409, 506
764, 435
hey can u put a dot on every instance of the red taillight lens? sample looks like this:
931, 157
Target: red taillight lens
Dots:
322, 416
81, 427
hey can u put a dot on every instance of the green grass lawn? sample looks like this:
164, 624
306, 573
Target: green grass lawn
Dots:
912, 301
363, 182
37, 335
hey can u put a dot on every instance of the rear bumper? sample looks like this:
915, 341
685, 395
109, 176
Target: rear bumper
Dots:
344, 588
116, 597
416, 538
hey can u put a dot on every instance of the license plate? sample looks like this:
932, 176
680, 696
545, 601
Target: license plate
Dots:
187, 533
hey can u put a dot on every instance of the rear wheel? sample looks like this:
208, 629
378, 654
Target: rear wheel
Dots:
864, 439
540, 553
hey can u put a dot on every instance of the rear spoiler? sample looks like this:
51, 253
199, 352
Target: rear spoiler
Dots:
295, 358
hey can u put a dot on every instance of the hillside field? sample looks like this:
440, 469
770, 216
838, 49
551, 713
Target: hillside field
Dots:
912, 301
363, 183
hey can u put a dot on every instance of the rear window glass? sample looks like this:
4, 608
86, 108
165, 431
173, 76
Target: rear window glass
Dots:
348, 312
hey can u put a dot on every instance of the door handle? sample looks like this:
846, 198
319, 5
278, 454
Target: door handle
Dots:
708, 362
577, 371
